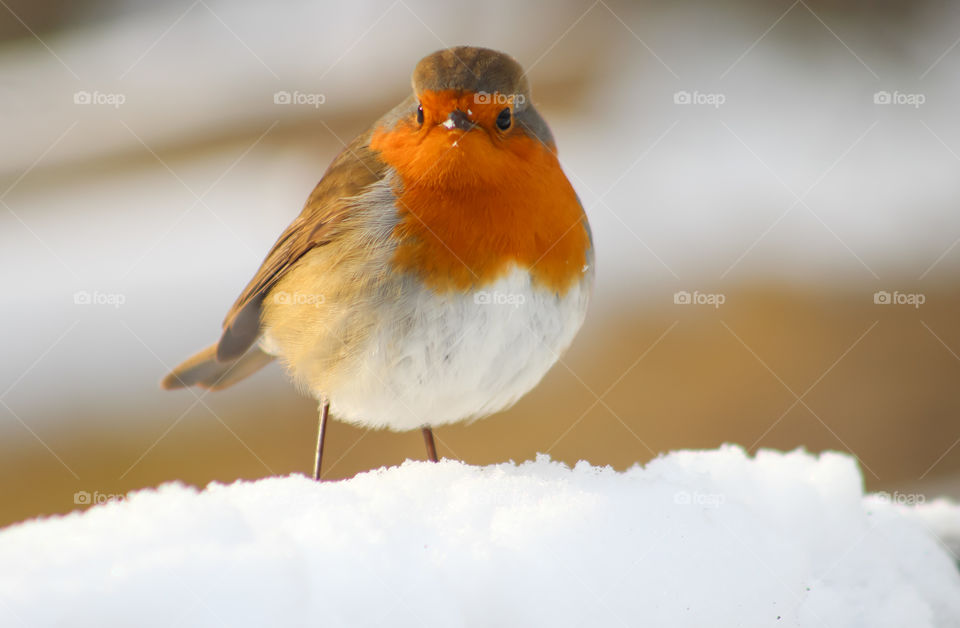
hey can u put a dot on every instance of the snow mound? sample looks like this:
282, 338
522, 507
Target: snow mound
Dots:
694, 538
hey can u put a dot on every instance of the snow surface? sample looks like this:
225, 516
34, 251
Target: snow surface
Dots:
694, 538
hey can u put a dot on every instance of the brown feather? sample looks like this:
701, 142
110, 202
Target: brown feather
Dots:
204, 370
351, 172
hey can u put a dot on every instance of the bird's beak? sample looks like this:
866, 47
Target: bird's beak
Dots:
458, 120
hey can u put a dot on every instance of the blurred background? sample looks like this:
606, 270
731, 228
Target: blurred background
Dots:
773, 189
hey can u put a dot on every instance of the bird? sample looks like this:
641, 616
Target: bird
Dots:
441, 266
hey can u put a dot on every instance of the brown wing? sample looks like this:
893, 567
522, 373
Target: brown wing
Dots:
350, 173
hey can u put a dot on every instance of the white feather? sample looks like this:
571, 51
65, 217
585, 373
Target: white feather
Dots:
438, 359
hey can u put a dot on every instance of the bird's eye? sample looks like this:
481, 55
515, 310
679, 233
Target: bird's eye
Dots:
420, 114
504, 120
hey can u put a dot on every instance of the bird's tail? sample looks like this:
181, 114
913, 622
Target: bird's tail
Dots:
204, 370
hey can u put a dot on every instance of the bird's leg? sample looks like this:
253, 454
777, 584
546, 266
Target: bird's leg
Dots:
431, 446
321, 432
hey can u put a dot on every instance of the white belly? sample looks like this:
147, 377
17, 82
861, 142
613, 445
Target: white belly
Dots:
437, 359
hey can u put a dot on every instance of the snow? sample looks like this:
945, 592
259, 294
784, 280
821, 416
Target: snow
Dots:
694, 538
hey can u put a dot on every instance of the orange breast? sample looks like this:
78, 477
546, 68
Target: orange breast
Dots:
470, 210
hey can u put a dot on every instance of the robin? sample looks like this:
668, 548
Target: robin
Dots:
438, 270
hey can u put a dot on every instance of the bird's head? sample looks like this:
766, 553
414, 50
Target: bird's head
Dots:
470, 118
